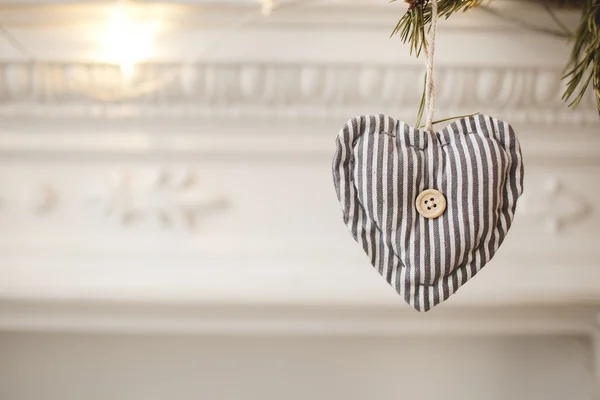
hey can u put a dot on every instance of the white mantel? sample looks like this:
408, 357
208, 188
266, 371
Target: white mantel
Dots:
250, 127
196, 227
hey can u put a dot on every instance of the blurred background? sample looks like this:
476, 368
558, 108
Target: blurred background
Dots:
169, 227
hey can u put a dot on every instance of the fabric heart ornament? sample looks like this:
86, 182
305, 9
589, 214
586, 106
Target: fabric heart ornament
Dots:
430, 209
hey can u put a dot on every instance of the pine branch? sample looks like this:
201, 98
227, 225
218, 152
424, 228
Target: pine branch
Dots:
583, 67
411, 27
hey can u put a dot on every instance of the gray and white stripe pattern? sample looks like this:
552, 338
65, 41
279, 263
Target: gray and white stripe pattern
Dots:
380, 167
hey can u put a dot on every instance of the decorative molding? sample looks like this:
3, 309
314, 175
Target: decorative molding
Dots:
288, 320
39, 198
289, 13
173, 198
68, 117
555, 205
42, 198
282, 91
243, 139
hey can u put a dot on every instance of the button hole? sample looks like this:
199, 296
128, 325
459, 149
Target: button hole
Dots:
435, 205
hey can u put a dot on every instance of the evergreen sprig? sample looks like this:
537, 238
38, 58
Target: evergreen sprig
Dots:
411, 27
583, 67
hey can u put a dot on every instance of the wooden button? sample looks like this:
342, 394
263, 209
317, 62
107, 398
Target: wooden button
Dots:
431, 203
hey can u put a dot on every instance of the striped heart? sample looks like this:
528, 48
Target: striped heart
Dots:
382, 165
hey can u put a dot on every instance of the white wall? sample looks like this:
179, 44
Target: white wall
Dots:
253, 123
95, 367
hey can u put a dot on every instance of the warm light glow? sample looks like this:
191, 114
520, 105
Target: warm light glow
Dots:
267, 7
128, 41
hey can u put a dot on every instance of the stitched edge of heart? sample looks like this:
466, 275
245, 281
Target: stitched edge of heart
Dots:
421, 297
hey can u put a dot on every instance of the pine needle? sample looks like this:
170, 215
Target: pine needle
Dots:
451, 118
422, 104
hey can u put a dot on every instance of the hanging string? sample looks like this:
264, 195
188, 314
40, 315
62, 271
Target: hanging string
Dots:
429, 49
428, 97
